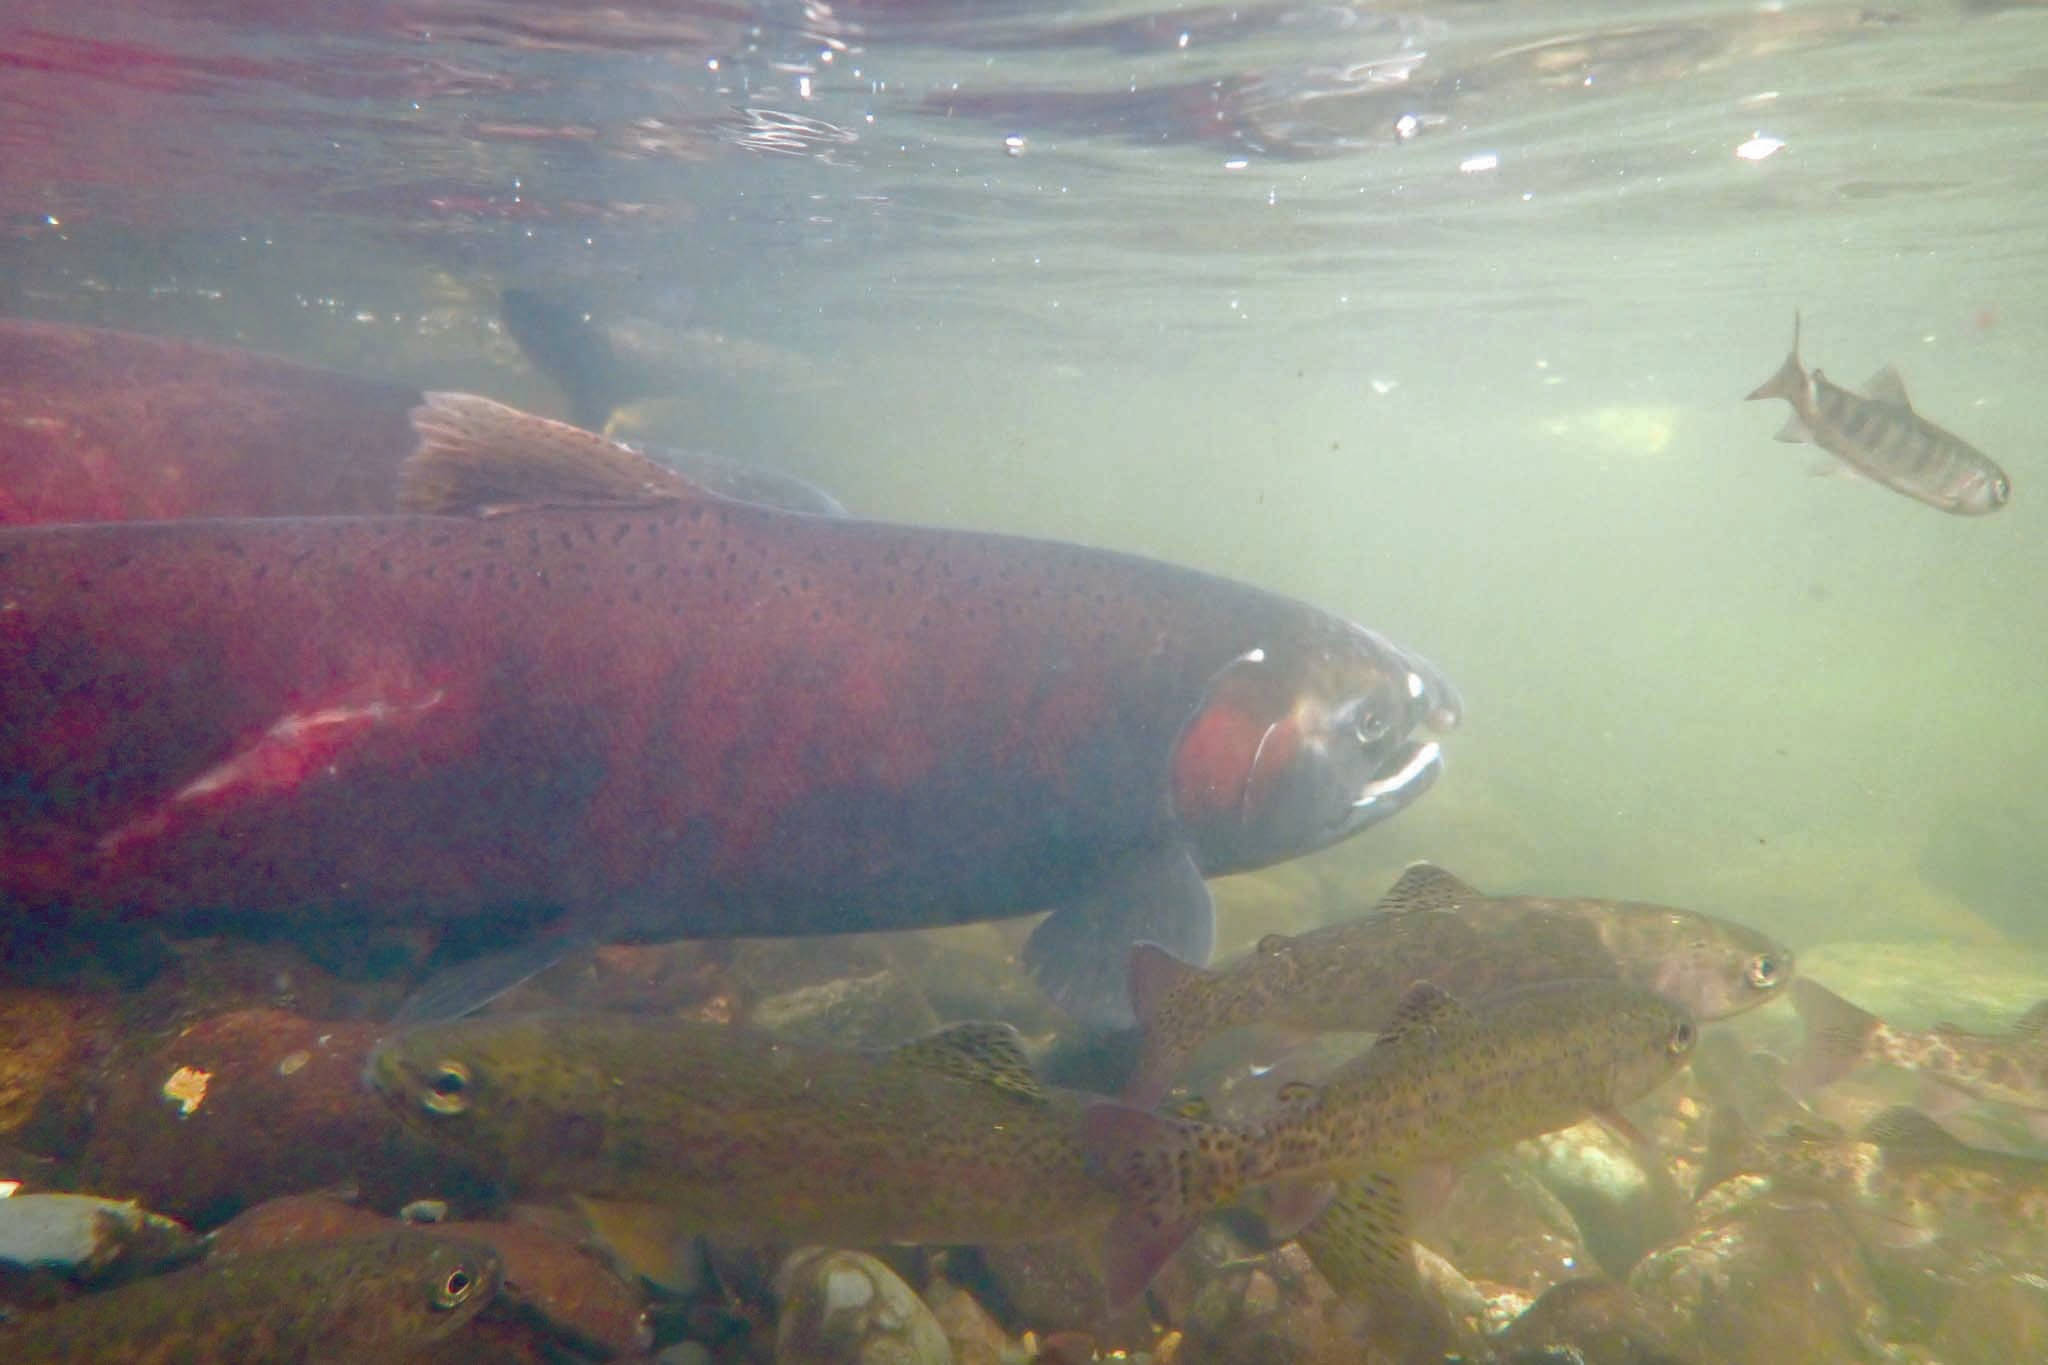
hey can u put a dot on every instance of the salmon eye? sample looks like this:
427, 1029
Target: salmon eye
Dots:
455, 1288
1762, 972
1683, 1035
1368, 725
448, 1090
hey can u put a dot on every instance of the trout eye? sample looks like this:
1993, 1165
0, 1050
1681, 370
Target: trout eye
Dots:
1683, 1035
1763, 972
459, 1285
448, 1090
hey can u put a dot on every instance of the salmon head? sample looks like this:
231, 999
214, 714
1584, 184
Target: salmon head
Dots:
1298, 746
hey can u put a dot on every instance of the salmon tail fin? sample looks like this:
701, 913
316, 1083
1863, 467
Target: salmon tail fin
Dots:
1147, 1158
477, 457
1156, 976
563, 344
1838, 1037
1789, 383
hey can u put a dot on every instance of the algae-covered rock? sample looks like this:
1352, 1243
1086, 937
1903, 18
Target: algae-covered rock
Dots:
847, 1308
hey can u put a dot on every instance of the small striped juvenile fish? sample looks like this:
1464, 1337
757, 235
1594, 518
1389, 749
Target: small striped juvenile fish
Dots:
1878, 434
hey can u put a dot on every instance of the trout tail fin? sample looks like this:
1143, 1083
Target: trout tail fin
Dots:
1156, 976
1789, 383
1838, 1036
1151, 1160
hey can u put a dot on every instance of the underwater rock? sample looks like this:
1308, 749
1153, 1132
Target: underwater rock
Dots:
1502, 1225
1052, 1286
248, 1105
1998, 1318
847, 1308
85, 1237
872, 1010
1595, 1322
47, 1038
1622, 1207
1779, 1283
975, 1337
1231, 1307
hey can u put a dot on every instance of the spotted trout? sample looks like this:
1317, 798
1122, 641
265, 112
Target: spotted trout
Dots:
375, 1298
2004, 1068
950, 1138
1431, 925
674, 715
1878, 434
1443, 1083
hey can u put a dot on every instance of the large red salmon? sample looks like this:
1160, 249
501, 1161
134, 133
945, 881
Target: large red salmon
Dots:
100, 425
689, 716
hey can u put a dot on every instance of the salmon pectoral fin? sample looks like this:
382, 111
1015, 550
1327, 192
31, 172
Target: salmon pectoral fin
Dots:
463, 989
1794, 432
477, 457
1080, 953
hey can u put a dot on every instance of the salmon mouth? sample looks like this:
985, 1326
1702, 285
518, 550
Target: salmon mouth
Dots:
1398, 784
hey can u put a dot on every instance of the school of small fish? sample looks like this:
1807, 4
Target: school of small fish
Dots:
404, 795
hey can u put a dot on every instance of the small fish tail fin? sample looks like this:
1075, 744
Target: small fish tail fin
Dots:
1149, 1159
477, 456
1156, 975
565, 346
1838, 1037
1789, 383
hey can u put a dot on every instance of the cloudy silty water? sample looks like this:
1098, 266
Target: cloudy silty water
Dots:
1439, 319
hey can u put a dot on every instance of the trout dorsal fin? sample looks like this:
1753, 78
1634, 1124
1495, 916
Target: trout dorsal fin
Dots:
1426, 1011
1907, 1133
2032, 1028
477, 457
1886, 386
984, 1053
1425, 886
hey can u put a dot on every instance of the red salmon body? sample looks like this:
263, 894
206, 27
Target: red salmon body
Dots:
693, 717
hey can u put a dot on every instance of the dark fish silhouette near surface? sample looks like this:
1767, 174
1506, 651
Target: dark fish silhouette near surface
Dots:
1432, 926
678, 715
100, 425
1879, 435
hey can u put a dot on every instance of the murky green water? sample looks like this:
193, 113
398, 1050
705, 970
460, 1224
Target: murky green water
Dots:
1440, 319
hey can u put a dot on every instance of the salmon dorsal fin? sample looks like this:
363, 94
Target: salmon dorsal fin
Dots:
1426, 1011
984, 1053
1887, 387
477, 457
1425, 886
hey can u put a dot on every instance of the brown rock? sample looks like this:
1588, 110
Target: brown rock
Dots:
1778, 1283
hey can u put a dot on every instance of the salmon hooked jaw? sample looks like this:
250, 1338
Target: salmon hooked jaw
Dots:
1395, 792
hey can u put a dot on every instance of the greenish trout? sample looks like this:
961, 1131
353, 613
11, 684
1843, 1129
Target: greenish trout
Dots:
949, 1138
1443, 1083
1432, 926
364, 1300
